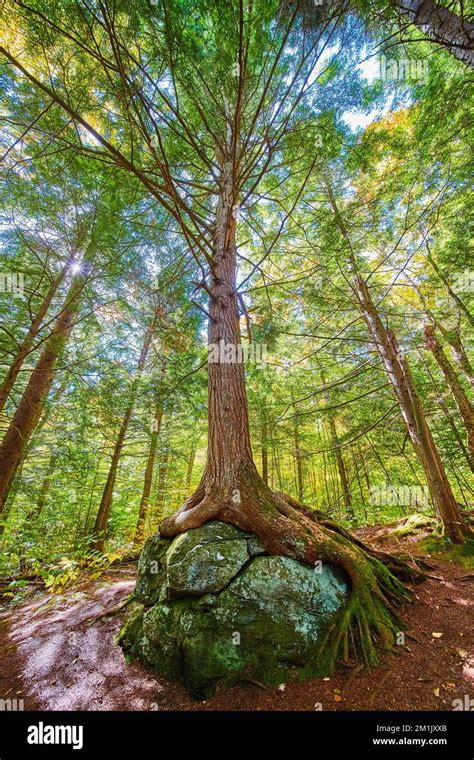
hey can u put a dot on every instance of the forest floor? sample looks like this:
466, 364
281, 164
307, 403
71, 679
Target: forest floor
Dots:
58, 653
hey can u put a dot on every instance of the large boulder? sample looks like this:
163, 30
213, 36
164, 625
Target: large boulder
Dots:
214, 609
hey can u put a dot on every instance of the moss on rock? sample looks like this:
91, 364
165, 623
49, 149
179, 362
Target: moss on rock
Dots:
214, 613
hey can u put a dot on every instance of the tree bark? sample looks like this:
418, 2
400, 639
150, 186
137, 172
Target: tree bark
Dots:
440, 25
150, 464
465, 407
32, 401
24, 349
411, 408
341, 466
99, 533
298, 460
264, 443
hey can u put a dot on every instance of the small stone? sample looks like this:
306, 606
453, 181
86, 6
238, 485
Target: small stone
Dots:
255, 546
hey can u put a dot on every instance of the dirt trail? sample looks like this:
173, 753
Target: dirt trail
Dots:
58, 653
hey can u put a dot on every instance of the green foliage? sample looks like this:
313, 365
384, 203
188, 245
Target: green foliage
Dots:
174, 71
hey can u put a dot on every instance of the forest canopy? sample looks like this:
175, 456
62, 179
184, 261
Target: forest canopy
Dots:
281, 185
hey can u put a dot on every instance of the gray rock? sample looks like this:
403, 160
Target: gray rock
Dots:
255, 546
203, 561
151, 570
261, 618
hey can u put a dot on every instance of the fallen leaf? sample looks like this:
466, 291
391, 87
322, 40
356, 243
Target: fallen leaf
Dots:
437, 634
337, 698
462, 653
436, 692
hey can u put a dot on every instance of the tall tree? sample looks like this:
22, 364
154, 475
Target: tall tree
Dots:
29, 409
206, 115
100, 526
401, 380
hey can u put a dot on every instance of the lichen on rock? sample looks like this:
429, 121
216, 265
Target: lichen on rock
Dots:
215, 610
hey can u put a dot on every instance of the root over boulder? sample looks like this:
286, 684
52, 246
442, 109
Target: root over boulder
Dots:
216, 609
203, 599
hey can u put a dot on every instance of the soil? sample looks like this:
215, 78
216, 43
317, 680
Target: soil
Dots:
58, 653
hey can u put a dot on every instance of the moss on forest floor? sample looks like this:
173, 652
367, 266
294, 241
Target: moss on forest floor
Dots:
443, 549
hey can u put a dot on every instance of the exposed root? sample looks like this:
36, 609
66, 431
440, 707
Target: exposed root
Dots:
370, 620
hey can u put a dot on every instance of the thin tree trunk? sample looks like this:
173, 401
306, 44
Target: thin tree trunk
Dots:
465, 407
145, 499
448, 414
34, 513
400, 377
460, 356
341, 466
162, 478
264, 443
451, 336
458, 301
100, 525
25, 347
189, 472
32, 401
298, 460
163, 470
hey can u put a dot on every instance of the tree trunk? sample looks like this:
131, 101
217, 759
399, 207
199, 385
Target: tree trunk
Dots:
161, 487
440, 25
31, 404
465, 407
401, 380
25, 347
145, 500
232, 490
189, 473
100, 525
458, 301
298, 460
43, 495
451, 336
264, 443
229, 448
447, 413
341, 466
460, 356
